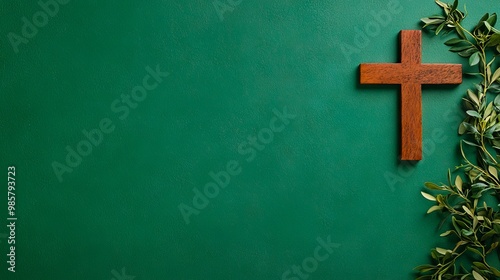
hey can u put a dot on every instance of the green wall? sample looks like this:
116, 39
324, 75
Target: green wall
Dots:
263, 96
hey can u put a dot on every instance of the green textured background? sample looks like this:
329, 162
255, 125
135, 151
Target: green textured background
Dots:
324, 175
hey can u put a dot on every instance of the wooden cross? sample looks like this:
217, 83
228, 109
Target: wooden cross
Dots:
411, 74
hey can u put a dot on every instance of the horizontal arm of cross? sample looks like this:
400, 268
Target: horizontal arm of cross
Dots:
397, 73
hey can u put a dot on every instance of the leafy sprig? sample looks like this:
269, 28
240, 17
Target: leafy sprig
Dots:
470, 205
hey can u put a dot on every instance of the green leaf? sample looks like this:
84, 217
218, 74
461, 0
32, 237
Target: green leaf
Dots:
492, 20
481, 22
488, 110
446, 233
432, 21
493, 40
496, 75
440, 27
479, 87
473, 113
474, 59
441, 4
467, 53
434, 208
495, 88
428, 196
488, 235
488, 25
462, 129
432, 186
467, 210
473, 97
467, 232
479, 185
493, 171
472, 129
495, 271
477, 276
496, 101
425, 268
490, 131
441, 251
454, 41
493, 246
480, 265
474, 250
458, 182
461, 48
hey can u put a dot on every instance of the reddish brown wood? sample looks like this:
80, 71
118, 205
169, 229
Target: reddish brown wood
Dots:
411, 74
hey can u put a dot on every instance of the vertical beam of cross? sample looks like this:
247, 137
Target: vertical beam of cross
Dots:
411, 74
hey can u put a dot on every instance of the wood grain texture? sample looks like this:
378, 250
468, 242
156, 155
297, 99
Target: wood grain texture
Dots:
411, 74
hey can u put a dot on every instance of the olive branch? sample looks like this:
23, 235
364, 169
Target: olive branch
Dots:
470, 205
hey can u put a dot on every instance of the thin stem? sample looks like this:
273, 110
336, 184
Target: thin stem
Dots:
457, 23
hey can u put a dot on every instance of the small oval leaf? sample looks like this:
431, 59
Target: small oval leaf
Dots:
441, 251
473, 113
467, 210
434, 208
428, 196
493, 171
458, 183
474, 59
477, 276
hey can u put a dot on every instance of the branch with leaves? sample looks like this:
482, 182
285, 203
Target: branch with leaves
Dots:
470, 200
